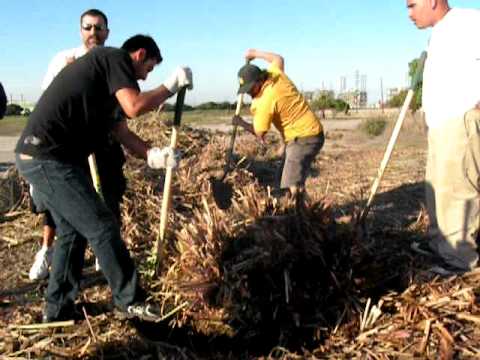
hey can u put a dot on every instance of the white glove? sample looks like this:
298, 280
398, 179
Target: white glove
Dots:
162, 158
182, 76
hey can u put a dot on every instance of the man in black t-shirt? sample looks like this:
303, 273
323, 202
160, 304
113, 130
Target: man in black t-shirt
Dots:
3, 101
70, 121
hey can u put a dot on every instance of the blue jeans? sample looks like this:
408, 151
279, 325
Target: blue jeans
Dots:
81, 216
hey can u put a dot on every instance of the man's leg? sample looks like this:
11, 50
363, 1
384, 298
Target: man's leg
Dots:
453, 179
299, 156
69, 195
67, 265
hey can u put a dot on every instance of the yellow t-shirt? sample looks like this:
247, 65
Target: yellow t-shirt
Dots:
282, 104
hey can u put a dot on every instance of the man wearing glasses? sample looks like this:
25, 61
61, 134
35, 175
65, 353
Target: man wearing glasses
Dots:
93, 32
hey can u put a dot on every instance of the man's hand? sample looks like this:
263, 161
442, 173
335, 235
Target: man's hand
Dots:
182, 76
237, 120
69, 59
250, 54
162, 158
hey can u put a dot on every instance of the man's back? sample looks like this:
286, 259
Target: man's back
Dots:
73, 113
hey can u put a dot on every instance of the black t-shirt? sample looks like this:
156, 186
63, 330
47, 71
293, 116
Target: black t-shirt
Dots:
75, 113
3, 101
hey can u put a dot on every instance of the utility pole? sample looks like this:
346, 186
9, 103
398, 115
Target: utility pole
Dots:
381, 94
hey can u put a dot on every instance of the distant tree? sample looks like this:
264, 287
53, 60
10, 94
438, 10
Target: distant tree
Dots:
323, 102
211, 105
13, 109
171, 107
341, 106
398, 99
417, 97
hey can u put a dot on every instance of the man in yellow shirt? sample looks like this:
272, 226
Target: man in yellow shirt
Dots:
275, 99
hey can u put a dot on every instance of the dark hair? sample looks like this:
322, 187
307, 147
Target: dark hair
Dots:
264, 75
94, 12
143, 42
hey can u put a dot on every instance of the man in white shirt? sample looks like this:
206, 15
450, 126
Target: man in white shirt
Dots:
93, 32
451, 92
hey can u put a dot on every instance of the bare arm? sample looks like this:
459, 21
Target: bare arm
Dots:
132, 142
135, 103
237, 120
269, 57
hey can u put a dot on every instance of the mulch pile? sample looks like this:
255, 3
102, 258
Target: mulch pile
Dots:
267, 277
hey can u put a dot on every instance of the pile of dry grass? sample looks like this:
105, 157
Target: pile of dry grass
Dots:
265, 264
11, 190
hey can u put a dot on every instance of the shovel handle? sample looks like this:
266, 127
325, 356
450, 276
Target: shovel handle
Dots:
169, 172
394, 136
238, 109
233, 136
92, 163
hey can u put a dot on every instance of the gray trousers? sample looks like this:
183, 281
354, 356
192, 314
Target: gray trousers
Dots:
453, 191
298, 158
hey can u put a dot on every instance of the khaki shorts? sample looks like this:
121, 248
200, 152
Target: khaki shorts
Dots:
298, 158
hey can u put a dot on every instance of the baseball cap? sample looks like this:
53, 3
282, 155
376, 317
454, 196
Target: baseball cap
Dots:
248, 75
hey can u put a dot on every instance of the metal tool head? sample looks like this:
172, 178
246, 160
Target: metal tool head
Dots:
179, 106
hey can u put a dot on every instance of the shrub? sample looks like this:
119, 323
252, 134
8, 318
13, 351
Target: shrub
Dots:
13, 109
373, 126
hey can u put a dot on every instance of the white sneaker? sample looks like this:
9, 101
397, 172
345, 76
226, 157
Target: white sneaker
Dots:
43, 259
97, 265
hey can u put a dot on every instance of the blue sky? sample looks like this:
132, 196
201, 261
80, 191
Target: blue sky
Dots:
321, 40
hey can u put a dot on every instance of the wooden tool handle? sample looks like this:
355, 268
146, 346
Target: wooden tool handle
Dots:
92, 163
169, 171
394, 136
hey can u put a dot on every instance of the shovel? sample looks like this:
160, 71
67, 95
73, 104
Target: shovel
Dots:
92, 163
169, 174
222, 191
361, 227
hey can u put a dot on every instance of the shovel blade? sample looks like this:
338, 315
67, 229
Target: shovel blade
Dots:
222, 193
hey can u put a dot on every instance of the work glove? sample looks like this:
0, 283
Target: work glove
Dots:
162, 158
181, 76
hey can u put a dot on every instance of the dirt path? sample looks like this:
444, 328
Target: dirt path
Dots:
7, 158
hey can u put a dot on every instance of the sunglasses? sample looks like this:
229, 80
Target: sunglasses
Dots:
88, 27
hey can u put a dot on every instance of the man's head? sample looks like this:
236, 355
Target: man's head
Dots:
145, 54
426, 13
93, 28
251, 79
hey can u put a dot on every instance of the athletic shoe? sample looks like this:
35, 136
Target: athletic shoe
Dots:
142, 311
43, 259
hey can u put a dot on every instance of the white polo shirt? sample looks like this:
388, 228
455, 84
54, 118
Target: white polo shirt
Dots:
451, 78
59, 61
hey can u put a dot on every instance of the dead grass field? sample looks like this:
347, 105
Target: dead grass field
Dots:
396, 310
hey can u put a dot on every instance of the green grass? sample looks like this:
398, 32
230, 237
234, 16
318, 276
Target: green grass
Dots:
373, 126
12, 125
202, 117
